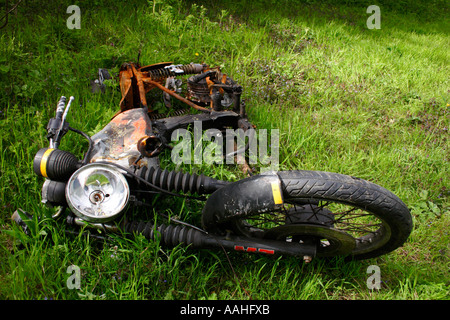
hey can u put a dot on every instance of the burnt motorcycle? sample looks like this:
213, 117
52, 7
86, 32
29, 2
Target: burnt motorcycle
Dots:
298, 213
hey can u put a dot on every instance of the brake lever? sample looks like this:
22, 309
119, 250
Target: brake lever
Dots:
57, 127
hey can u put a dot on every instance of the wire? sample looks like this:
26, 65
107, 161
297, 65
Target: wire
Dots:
88, 152
127, 170
149, 183
175, 220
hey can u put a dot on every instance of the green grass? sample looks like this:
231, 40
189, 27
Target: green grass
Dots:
369, 103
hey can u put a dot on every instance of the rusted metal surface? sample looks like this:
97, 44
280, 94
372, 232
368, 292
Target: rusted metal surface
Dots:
137, 81
136, 135
209, 89
120, 140
150, 146
176, 96
216, 89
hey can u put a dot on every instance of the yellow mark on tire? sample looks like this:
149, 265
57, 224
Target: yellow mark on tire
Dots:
276, 192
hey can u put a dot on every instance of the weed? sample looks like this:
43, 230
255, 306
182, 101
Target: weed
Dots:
369, 103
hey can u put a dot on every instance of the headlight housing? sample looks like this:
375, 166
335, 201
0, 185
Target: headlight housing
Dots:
97, 192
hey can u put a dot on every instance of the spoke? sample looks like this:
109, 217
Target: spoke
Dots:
346, 217
365, 227
354, 220
360, 227
263, 219
286, 213
324, 205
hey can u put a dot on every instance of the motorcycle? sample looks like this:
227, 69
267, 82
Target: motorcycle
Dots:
299, 213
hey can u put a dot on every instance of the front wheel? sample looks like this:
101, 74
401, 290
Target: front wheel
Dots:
342, 215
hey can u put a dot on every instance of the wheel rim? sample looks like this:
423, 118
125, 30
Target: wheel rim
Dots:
338, 228
330, 242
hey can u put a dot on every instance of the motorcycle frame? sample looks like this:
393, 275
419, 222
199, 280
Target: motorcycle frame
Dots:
137, 81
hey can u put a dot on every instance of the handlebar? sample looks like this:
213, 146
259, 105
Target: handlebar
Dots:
57, 126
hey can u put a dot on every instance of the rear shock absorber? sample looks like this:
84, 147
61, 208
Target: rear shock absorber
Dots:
173, 70
176, 181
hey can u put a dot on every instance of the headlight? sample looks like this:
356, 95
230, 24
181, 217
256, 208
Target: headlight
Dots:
97, 192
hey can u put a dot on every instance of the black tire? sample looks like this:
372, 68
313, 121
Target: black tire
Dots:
377, 220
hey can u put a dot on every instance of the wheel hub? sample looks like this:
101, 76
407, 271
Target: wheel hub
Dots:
330, 241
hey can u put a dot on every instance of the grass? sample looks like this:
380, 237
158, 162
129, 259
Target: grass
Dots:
369, 103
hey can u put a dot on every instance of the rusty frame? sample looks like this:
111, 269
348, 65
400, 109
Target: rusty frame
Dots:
206, 89
136, 82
